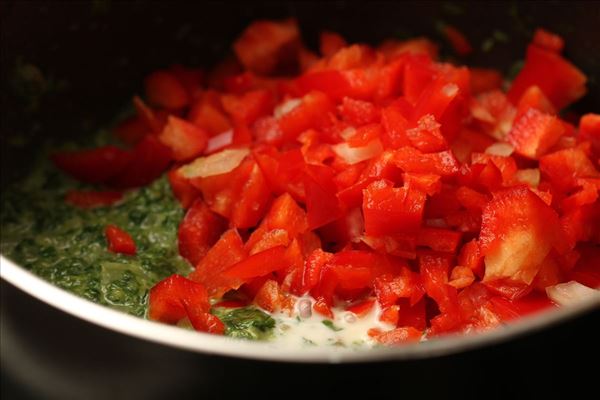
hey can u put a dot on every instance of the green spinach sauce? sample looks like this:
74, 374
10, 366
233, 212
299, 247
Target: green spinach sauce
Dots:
66, 245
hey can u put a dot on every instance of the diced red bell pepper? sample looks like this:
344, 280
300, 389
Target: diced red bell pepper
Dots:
228, 251
268, 296
358, 112
399, 336
390, 315
152, 118
330, 43
185, 139
389, 211
91, 199
322, 204
418, 73
589, 129
437, 239
170, 299
548, 40
93, 166
395, 123
252, 201
199, 231
470, 256
586, 270
312, 270
119, 241
163, 89
284, 172
393, 49
259, 264
428, 183
426, 136
533, 97
207, 114
518, 231
434, 272
268, 46
459, 42
149, 159
534, 133
435, 99
404, 284
313, 112
561, 81
564, 167
263, 239
191, 78
409, 159
182, 188
131, 130
248, 107
286, 214
484, 80
361, 308
412, 315
203, 321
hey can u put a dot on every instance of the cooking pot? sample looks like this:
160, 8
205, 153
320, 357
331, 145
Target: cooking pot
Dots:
88, 59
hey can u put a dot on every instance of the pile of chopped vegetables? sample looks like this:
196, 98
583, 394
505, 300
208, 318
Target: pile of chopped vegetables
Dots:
365, 178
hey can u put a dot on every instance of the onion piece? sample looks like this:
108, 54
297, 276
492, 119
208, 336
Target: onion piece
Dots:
286, 107
500, 149
215, 164
219, 141
354, 155
529, 176
571, 292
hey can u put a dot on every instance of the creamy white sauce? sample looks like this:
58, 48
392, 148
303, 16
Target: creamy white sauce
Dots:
350, 330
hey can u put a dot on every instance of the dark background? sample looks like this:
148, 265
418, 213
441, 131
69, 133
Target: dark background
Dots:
88, 59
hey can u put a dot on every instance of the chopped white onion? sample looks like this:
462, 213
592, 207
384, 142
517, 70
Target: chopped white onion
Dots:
304, 308
348, 133
286, 107
219, 141
500, 149
215, 164
571, 292
529, 176
354, 155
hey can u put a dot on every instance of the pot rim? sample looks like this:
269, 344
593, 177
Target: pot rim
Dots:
212, 344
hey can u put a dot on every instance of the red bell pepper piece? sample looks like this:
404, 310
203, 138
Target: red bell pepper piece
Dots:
252, 201
459, 42
149, 159
182, 188
163, 89
228, 251
119, 241
312, 112
259, 264
361, 308
91, 199
434, 272
561, 81
185, 140
207, 113
564, 167
533, 97
248, 107
517, 233
93, 166
388, 210
548, 40
534, 133
131, 130
409, 159
358, 112
330, 43
268, 46
199, 231
322, 204
399, 336
484, 80
426, 136
437, 239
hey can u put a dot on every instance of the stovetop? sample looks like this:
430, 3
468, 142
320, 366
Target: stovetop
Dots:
46, 353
